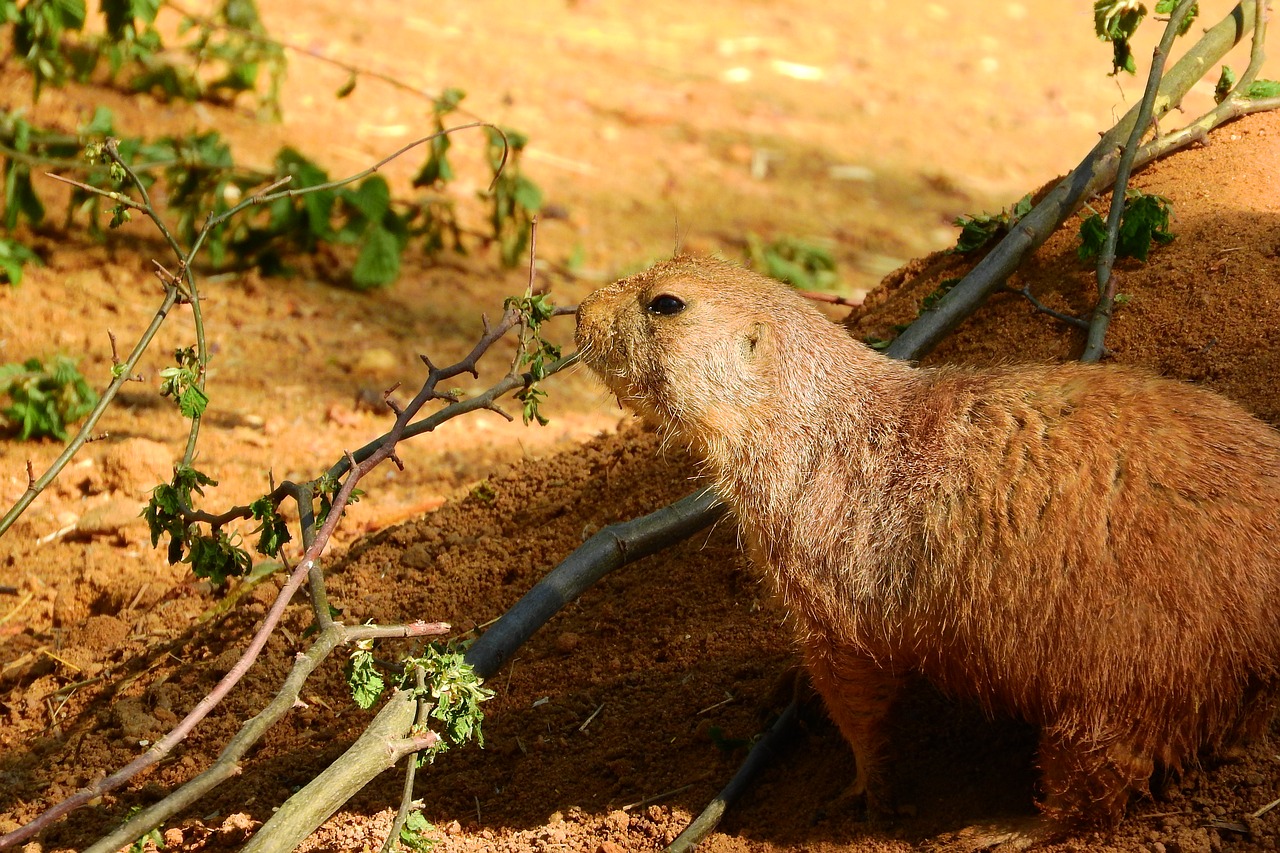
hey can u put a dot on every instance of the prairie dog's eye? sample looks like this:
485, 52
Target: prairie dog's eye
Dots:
665, 304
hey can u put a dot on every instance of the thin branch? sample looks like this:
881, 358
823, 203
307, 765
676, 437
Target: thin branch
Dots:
411, 767
1095, 343
350, 68
111, 195
765, 750
1025, 293
86, 430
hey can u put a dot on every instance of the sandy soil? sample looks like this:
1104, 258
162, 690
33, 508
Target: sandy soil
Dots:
875, 130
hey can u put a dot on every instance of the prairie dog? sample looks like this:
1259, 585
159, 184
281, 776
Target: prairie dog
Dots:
1092, 549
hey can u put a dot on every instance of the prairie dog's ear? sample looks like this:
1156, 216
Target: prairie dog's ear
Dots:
756, 340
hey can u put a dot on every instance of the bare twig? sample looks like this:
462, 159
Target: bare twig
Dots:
765, 749
1025, 293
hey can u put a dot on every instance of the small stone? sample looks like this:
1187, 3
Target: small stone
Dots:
567, 642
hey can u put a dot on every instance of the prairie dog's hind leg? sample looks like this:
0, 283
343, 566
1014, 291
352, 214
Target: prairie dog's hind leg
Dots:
858, 694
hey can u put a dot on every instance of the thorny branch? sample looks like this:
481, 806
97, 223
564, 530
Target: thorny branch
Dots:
333, 633
315, 541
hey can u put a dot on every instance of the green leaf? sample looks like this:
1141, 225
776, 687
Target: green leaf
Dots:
363, 678
372, 198
1145, 220
273, 528
1093, 237
1116, 21
217, 558
527, 194
1226, 81
1167, 7
192, 402
102, 123
13, 257
977, 231
1259, 89
20, 199
379, 260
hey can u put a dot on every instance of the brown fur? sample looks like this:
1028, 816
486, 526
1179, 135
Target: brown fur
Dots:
1092, 549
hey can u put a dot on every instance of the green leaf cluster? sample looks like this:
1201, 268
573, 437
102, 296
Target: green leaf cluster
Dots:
272, 529
450, 685
200, 180
1145, 220
977, 231
38, 29
165, 513
1116, 21
363, 677
45, 398
326, 488
456, 691
226, 53
217, 557
182, 383
216, 554
536, 352
415, 834
794, 261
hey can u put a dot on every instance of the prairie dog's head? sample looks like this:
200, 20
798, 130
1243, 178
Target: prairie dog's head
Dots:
692, 344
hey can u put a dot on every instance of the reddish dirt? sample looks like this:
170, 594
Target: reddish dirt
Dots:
621, 718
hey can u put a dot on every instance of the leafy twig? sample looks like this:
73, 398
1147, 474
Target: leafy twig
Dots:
1094, 345
610, 548
355, 470
764, 750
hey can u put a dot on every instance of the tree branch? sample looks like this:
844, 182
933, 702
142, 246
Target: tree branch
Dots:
1095, 171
